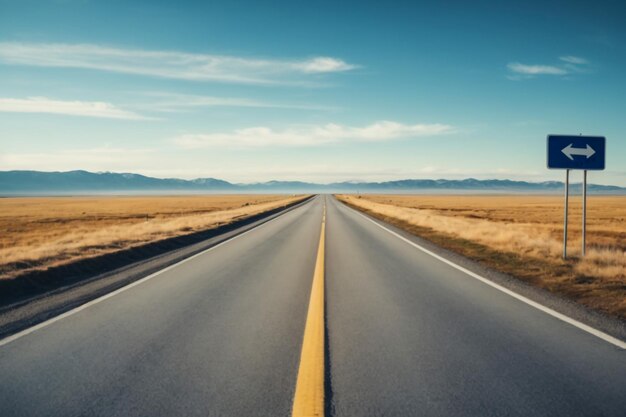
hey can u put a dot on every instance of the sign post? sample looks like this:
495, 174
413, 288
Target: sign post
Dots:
580, 153
565, 214
584, 227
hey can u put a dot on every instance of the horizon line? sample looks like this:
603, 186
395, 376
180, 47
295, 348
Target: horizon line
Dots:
344, 182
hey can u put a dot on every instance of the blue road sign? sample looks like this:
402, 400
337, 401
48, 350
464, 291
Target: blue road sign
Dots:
576, 152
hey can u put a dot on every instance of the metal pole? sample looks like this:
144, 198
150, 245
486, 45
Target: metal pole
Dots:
584, 209
565, 217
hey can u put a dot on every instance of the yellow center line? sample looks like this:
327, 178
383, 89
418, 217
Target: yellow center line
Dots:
309, 397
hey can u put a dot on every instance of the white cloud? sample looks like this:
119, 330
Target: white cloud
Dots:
171, 102
310, 135
574, 60
72, 108
169, 64
323, 64
518, 68
93, 159
570, 65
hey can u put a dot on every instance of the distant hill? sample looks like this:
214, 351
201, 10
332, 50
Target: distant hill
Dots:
472, 184
84, 182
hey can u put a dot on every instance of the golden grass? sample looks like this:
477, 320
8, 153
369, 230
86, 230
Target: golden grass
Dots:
522, 235
37, 233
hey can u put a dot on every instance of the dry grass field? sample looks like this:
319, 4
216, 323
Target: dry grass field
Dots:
37, 233
522, 236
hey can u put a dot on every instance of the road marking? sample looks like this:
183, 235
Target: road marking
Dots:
595, 332
308, 400
82, 307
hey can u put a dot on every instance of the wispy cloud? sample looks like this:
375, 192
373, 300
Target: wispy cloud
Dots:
172, 102
322, 64
535, 69
102, 158
310, 135
570, 64
170, 64
574, 60
72, 108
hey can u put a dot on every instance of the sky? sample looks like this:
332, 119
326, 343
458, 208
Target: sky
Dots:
313, 91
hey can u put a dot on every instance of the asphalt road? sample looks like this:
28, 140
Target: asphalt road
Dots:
412, 336
220, 335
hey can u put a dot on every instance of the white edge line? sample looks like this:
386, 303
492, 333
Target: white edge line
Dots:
88, 304
595, 332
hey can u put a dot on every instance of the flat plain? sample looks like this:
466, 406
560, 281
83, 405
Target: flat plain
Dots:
522, 236
38, 233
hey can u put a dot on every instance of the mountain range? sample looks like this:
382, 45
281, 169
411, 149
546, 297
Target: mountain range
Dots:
84, 182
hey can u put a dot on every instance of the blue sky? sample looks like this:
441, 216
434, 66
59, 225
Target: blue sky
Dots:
317, 91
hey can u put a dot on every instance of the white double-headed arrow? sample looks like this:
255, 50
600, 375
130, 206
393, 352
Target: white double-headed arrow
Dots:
569, 151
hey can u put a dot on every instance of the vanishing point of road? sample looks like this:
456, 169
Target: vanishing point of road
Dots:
390, 331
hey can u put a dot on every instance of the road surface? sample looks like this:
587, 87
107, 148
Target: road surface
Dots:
221, 334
